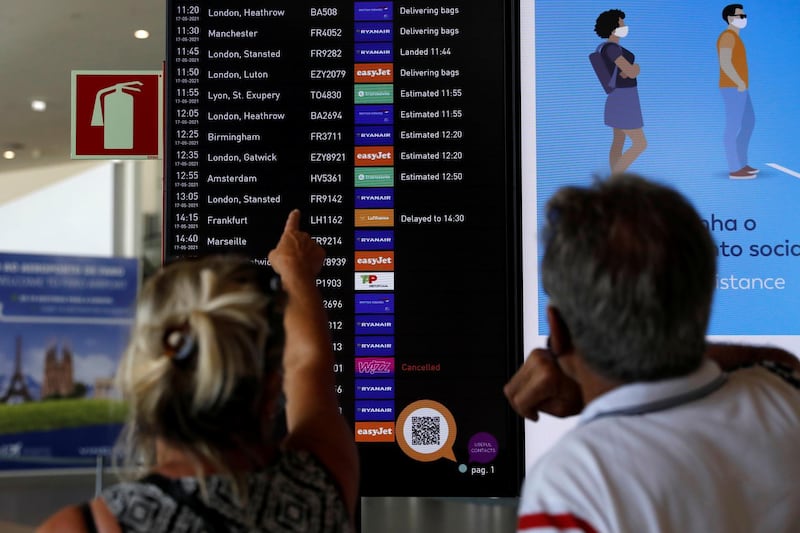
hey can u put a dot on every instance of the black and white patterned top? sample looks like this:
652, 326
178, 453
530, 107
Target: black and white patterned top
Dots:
295, 493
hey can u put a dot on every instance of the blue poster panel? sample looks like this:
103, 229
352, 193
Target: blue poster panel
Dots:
64, 323
732, 149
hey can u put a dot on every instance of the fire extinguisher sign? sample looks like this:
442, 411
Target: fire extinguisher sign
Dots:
117, 114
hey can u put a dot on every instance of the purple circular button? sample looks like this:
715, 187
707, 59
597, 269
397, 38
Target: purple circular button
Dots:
482, 448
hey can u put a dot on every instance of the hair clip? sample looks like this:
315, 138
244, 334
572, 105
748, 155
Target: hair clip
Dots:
179, 343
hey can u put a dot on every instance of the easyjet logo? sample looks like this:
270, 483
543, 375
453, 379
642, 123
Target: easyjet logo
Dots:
374, 73
374, 155
380, 261
374, 432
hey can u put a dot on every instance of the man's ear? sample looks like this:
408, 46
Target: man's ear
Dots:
560, 336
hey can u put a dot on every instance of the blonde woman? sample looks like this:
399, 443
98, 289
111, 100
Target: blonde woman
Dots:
202, 376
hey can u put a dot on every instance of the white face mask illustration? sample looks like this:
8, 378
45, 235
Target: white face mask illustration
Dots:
622, 31
739, 22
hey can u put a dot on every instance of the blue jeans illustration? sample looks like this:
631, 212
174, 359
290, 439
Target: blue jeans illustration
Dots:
739, 122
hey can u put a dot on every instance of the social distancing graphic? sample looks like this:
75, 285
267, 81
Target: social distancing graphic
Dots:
729, 145
117, 115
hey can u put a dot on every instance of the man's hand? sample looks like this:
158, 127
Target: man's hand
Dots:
541, 385
741, 87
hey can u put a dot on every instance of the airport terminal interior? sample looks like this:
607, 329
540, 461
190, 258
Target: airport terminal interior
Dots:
422, 140
53, 205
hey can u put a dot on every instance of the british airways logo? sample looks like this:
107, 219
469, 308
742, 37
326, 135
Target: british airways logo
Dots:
374, 303
373, 11
374, 114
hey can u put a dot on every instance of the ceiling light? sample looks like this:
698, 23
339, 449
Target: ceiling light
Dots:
38, 105
141, 34
9, 154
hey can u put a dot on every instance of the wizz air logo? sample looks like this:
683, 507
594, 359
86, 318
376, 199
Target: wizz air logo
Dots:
375, 367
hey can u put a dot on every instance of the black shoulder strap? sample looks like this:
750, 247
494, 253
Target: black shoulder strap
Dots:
88, 517
213, 520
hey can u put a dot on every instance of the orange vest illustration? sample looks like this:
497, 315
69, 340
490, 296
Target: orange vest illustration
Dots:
738, 58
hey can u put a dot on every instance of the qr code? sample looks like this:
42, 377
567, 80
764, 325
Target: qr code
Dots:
425, 431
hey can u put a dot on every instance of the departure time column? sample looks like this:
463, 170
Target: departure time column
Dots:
185, 196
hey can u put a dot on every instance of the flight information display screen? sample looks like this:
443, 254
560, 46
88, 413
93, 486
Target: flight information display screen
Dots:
390, 126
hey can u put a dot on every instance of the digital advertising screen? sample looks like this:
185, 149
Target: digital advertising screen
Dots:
391, 126
697, 134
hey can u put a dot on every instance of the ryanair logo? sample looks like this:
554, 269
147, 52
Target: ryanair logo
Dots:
374, 389
378, 346
374, 135
375, 410
374, 239
379, 197
373, 52
374, 324
373, 31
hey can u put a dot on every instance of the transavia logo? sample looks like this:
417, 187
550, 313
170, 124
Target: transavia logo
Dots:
373, 177
374, 135
373, 31
372, 198
374, 114
368, 52
373, 11
374, 303
374, 367
374, 281
366, 239
378, 346
373, 93
375, 410
368, 389
374, 72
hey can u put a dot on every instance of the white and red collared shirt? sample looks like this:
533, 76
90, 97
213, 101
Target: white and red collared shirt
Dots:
705, 452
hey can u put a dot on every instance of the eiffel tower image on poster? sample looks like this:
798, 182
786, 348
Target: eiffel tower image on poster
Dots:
17, 388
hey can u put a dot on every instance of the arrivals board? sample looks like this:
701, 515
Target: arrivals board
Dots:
389, 125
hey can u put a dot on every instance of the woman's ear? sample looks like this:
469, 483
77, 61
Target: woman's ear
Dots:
560, 336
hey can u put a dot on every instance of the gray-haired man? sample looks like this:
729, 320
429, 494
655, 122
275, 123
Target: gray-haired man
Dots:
666, 440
